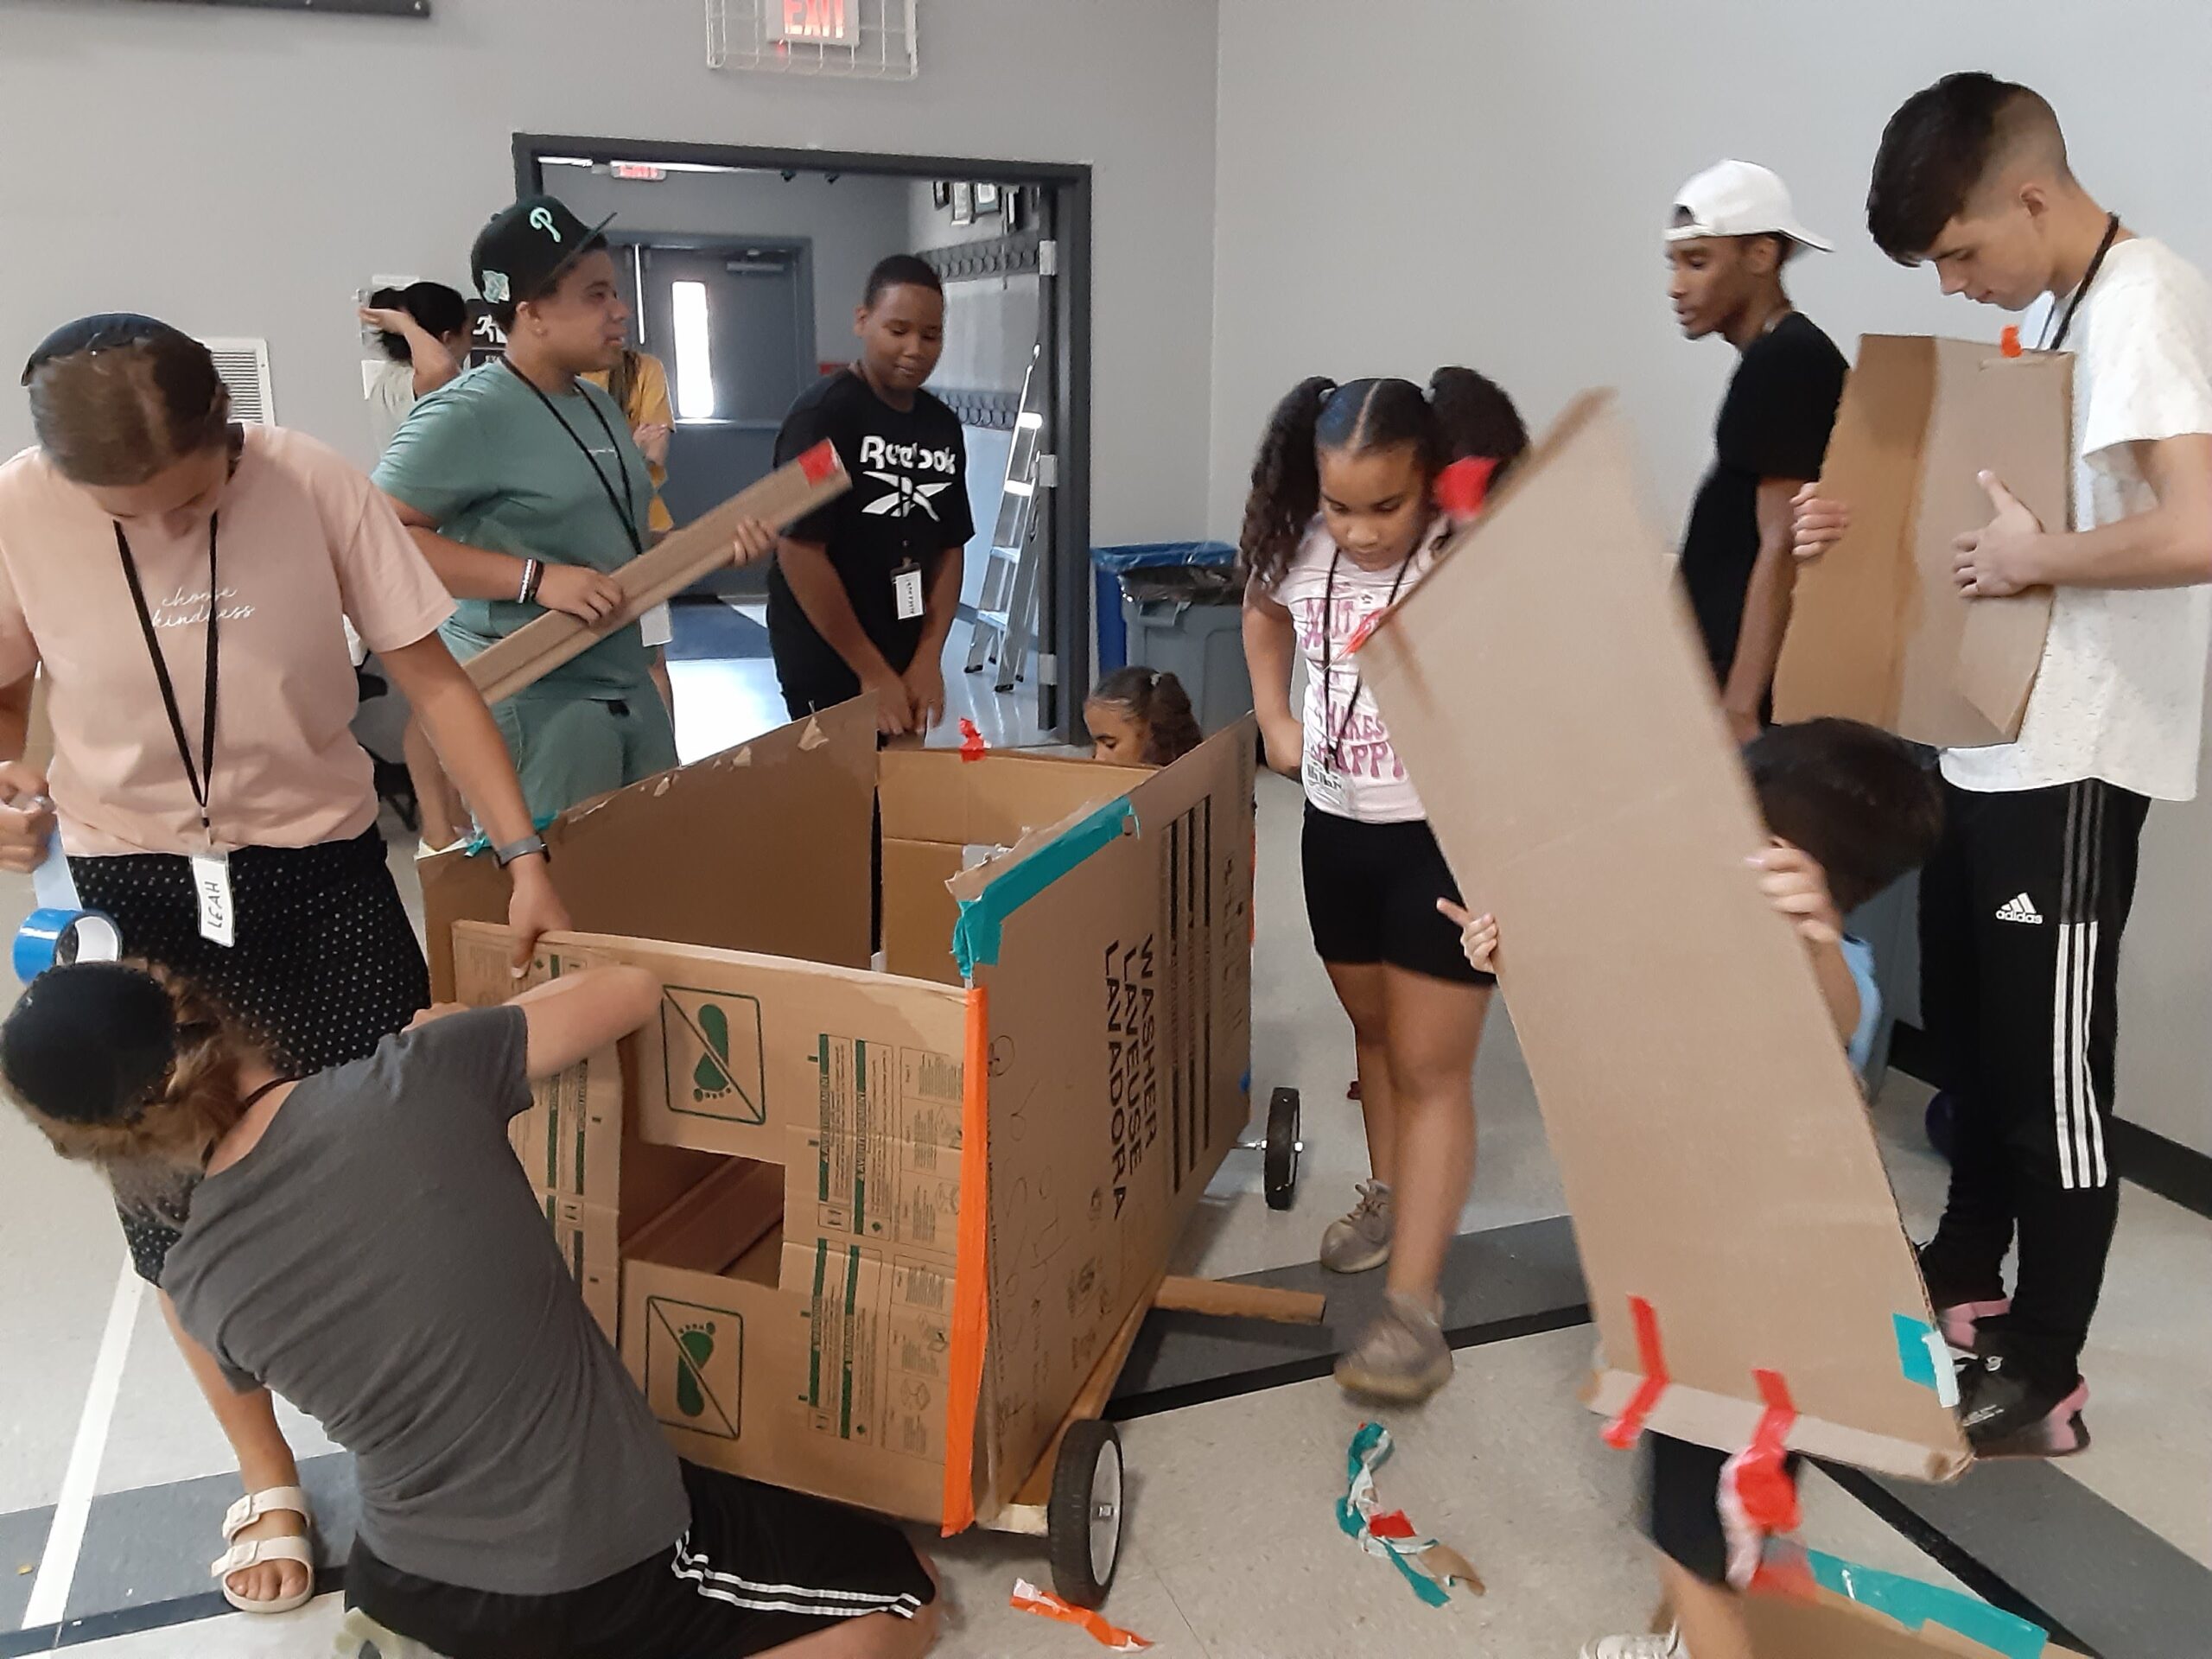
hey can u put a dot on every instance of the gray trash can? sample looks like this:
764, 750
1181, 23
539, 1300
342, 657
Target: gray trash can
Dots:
1181, 612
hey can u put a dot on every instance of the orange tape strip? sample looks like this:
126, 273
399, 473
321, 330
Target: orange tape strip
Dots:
971, 1289
1029, 1599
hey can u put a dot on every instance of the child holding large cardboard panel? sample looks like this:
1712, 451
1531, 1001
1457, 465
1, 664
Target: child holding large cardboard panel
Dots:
1851, 810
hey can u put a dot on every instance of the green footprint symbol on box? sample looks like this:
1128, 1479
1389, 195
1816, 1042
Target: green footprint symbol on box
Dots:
711, 1078
698, 1342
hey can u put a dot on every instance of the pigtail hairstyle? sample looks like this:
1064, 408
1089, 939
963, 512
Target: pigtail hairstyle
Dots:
1285, 483
1475, 417
1155, 700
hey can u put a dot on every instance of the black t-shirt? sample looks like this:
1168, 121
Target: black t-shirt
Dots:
908, 505
1774, 423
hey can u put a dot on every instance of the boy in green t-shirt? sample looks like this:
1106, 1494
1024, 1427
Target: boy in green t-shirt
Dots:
525, 489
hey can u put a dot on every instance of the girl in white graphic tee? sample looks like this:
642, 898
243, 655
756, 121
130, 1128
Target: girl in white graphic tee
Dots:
1352, 495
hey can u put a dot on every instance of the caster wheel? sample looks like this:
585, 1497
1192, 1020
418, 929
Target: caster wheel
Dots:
1283, 1148
1084, 1520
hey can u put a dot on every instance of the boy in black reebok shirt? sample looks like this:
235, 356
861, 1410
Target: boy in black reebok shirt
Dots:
1733, 230
864, 590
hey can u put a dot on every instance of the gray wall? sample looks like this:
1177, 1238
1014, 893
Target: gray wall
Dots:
298, 152
852, 223
1487, 184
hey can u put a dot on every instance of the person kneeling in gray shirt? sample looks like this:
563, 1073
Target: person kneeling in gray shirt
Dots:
364, 1242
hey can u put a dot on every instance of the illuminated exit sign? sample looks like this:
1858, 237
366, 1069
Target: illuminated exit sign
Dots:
819, 23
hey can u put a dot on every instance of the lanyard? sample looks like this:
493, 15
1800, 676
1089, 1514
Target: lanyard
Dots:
203, 776
2057, 341
1328, 639
626, 508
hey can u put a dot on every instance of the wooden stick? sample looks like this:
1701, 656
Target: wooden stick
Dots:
1098, 1389
536, 649
1240, 1301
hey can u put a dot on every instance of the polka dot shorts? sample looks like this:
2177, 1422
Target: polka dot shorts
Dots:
326, 966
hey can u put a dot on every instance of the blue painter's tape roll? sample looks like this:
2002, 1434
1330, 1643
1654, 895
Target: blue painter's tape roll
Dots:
57, 937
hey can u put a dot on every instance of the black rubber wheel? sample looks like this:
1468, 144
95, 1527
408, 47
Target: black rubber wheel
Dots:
1083, 1521
1281, 1180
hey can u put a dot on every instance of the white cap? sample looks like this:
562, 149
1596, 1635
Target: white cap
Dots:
1739, 198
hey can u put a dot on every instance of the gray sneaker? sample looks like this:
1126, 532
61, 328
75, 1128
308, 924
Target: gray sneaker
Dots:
1360, 1238
1401, 1357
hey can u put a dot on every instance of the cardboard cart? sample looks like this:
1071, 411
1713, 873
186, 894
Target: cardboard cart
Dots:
886, 1237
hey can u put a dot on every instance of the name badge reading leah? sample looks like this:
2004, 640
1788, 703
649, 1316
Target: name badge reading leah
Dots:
211, 882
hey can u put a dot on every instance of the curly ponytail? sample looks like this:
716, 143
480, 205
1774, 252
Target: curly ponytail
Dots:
1285, 483
1475, 417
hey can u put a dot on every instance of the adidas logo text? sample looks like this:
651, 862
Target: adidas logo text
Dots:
2019, 909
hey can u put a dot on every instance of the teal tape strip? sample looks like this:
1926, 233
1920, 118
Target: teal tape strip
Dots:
480, 843
1914, 1604
1914, 1354
976, 936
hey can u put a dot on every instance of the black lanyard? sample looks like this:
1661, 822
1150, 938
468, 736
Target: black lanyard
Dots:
2057, 341
626, 508
1328, 640
203, 776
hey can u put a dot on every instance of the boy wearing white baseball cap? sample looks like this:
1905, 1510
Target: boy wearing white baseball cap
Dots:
1732, 231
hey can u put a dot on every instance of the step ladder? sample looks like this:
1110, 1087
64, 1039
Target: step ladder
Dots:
1006, 607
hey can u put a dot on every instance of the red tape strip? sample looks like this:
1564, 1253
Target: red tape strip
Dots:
972, 746
821, 462
1763, 1478
1460, 487
1626, 1429
2009, 341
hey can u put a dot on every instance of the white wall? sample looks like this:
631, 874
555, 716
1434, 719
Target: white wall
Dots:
852, 223
239, 172
1487, 184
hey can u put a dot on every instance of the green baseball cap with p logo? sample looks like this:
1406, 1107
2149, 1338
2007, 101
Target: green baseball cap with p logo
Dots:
521, 253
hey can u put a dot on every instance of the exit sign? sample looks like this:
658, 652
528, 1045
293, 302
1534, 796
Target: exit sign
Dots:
818, 22
643, 172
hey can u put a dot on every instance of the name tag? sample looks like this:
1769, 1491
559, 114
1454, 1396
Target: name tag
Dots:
211, 882
1325, 784
907, 589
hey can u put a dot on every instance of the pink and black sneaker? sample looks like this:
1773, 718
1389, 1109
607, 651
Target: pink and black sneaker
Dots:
2007, 1414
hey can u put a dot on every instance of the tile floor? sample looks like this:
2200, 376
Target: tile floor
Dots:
1233, 1549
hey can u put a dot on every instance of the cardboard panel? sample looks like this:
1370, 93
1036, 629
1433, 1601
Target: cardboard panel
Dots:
1828, 1627
762, 847
919, 912
536, 648
1878, 631
834, 1391
938, 795
1714, 1148
1120, 1026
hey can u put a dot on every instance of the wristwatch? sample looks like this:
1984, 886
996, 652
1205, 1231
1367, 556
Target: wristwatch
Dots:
523, 848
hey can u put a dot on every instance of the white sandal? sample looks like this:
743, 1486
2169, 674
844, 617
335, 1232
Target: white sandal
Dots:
256, 1551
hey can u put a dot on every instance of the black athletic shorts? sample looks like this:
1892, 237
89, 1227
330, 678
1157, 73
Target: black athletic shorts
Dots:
1371, 896
1681, 1504
759, 1568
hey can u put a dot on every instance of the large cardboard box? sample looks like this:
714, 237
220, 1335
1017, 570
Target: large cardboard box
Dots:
900, 1162
1544, 686
1878, 631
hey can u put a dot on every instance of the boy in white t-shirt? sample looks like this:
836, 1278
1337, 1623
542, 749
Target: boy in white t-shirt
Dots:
2023, 905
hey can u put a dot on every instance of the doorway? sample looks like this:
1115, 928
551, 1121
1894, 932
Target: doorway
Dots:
732, 321
764, 305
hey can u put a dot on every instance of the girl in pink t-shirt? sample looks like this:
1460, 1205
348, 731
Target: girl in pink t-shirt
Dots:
182, 584
1351, 501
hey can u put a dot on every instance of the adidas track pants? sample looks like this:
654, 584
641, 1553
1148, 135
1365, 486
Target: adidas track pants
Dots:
2021, 911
